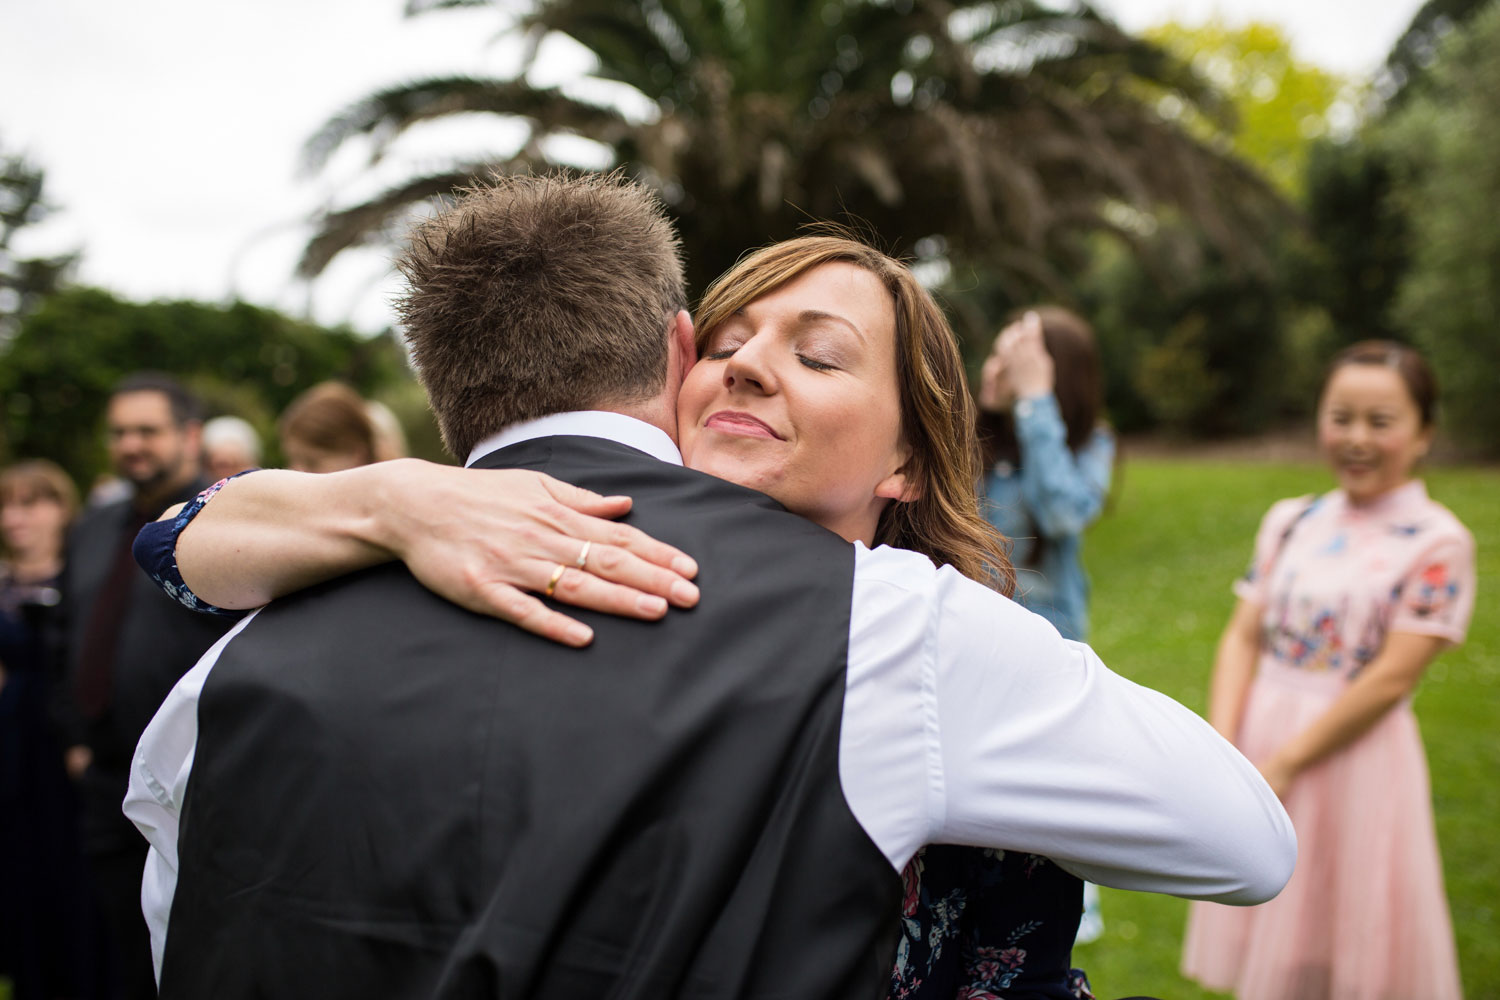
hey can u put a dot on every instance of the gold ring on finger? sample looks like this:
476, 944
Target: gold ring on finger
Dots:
583, 555
556, 575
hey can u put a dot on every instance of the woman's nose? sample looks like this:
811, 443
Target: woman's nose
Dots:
749, 368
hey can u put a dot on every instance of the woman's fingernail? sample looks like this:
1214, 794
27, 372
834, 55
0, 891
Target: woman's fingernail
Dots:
650, 604
683, 566
684, 593
580, 635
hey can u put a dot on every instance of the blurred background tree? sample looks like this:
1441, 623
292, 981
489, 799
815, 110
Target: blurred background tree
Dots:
997, 135
1359, 250
56, 372
1280, 104
1446, 138
1227, 215
1194, 344
1400, 215
23, 280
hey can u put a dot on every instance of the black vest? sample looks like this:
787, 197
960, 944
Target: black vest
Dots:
392, 797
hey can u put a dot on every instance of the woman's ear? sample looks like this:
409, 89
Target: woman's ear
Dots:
900, 486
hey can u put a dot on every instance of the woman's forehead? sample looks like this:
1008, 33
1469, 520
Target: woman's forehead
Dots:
839, 289
23, 493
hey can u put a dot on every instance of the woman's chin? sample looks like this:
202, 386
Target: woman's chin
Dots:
736, 468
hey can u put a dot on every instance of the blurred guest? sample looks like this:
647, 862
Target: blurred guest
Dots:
1349, 596
125, 644
327, 429
230, 445
390, 438
1050, 456
43, 925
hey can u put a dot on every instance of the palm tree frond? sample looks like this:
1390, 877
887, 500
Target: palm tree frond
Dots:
388, 113
415, 8
376, 220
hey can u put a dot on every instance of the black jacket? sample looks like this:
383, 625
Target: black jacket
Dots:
159, 641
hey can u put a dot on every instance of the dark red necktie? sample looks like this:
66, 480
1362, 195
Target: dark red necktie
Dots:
95, 680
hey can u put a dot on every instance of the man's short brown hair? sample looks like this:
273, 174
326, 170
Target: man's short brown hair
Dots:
537, 295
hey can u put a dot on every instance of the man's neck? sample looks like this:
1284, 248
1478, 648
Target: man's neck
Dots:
154, 499
660, 413
612, 425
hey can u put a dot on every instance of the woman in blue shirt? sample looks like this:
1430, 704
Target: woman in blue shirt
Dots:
1050, 458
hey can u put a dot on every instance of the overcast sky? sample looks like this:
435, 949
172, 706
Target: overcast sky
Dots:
170, 129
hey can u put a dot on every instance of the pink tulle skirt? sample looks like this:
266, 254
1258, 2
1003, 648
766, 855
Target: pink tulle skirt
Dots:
1364, 916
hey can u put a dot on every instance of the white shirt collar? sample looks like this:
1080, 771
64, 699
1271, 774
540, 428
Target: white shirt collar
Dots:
615, 427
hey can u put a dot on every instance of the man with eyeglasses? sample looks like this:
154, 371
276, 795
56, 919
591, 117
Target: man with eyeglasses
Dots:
124, 645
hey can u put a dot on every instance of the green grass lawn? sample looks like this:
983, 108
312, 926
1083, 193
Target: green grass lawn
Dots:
1162, 561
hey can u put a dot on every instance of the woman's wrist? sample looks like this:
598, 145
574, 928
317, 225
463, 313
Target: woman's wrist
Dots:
378, 499
1033, 393
1038, 422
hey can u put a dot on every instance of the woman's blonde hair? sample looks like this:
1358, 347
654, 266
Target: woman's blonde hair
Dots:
937, 414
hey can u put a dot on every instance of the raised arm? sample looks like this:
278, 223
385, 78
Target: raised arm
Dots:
1064, 492
480, 538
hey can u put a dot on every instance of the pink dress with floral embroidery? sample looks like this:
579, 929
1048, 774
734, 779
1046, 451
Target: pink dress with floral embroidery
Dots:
1365, 916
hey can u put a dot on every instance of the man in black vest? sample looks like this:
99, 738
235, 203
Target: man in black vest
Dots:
126, 644
366, 791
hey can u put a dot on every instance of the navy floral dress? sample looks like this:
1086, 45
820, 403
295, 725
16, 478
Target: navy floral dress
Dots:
987, 925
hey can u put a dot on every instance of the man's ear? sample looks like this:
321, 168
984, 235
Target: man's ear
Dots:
682, 340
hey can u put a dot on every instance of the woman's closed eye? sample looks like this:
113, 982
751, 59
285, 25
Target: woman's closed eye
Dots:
721, 345
815, 364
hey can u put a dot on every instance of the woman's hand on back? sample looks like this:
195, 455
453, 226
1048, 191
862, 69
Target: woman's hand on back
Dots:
490, 540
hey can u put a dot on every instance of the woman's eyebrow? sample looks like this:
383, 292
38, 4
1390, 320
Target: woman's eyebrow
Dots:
818, 315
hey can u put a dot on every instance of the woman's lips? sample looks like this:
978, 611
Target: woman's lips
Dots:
732, 422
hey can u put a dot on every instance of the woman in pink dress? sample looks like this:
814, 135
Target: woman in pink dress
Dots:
1349, 597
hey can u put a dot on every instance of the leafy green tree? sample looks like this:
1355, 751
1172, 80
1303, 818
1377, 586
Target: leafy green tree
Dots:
56, 373
23, 280
1447, 136
1202, 358
1351, 264
1195, 344
1280, 104
1417, 47
998, 132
